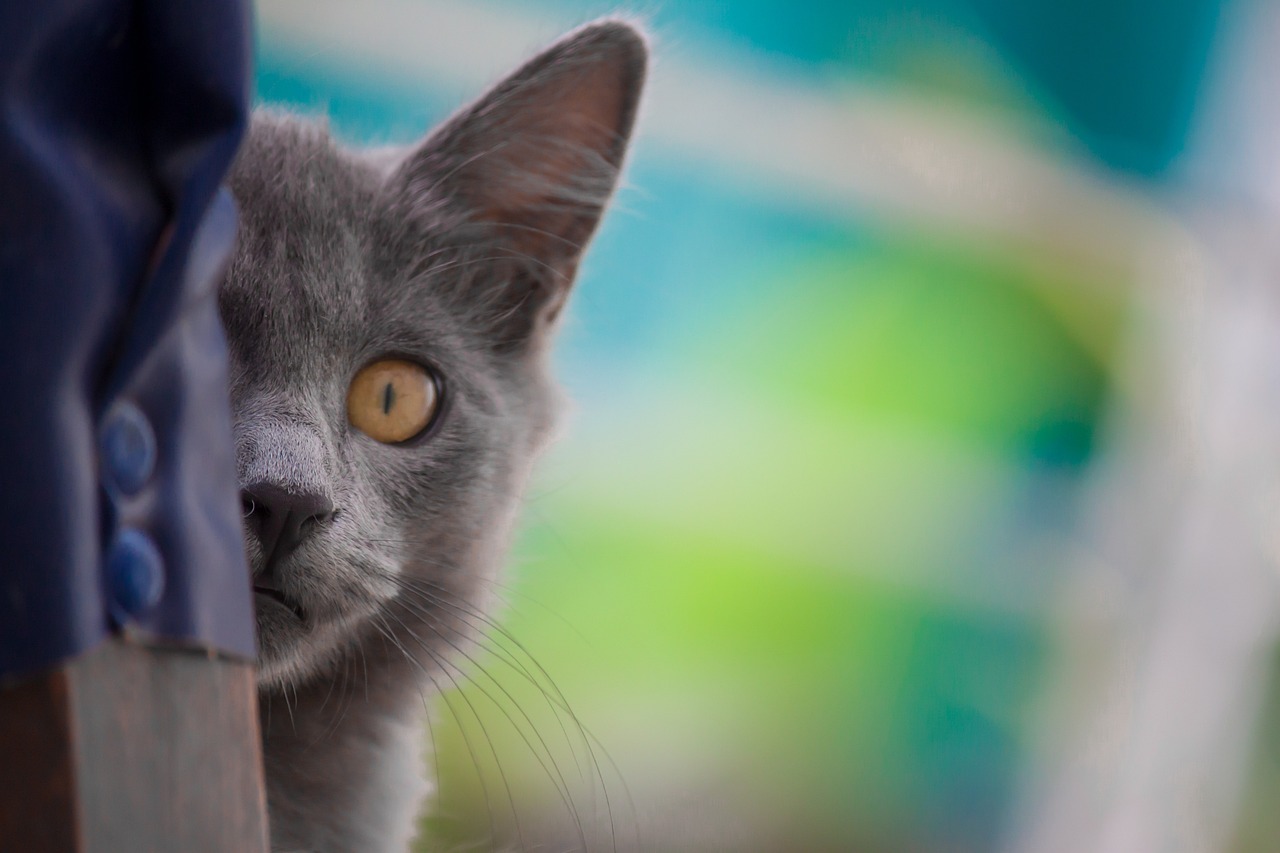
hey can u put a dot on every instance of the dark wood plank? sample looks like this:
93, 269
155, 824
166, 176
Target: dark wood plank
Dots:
133, 749
169, 755
37, 782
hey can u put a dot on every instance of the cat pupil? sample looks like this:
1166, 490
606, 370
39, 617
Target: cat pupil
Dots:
388, 398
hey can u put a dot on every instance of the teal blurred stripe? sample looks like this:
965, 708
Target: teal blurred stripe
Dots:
1126, 73
1123, 75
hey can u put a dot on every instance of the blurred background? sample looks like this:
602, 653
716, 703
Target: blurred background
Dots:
921, 491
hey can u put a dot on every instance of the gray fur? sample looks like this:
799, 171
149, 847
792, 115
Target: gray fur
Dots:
458, 254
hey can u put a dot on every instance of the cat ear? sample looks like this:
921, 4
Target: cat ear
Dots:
533, 163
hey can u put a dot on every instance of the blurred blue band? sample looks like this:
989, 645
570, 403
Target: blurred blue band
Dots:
1126, 74
118, 508
1123, 75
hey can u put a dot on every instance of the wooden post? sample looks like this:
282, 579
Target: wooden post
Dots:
131, 749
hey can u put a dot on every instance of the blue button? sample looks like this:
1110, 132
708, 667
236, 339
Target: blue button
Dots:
128, 447
135, 574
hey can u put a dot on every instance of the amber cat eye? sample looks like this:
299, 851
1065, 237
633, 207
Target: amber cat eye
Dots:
392, 400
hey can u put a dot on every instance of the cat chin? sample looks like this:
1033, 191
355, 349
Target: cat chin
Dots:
293, 650
280, 638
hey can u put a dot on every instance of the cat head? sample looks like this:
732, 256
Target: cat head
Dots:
388, 316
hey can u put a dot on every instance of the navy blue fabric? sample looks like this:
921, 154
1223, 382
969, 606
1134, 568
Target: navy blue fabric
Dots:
119, 120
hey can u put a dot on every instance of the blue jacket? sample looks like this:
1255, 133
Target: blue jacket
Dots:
118, 504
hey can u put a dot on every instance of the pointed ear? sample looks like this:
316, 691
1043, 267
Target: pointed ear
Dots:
534, 161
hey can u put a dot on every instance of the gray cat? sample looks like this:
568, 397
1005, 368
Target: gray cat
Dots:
389, 316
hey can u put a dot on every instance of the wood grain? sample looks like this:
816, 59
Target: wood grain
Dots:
133, 749
37, 782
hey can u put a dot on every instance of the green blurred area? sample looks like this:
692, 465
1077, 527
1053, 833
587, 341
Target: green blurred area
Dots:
801, 584
795, 566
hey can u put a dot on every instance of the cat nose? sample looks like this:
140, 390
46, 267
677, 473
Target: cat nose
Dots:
281, 519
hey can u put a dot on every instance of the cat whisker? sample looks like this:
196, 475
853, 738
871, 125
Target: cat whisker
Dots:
328, 693
594, 746
427, 615
500, 655
495, 649
435, 594
344, 702
284, 690
572, 245
387, 636
386, 633
562, 786
439, 662
555, 698
506, 255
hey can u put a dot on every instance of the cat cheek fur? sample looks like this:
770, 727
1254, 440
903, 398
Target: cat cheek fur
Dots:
457, 254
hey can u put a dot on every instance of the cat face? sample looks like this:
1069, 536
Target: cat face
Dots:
388, 315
